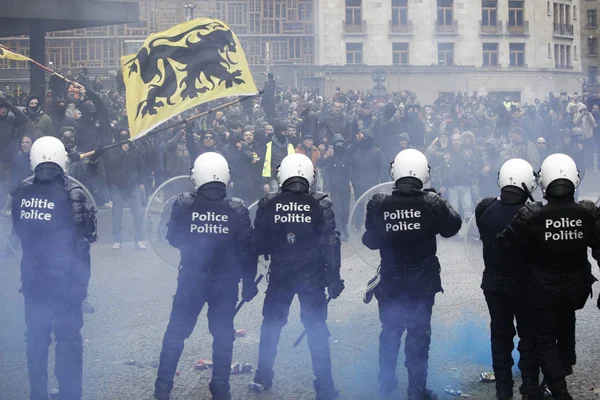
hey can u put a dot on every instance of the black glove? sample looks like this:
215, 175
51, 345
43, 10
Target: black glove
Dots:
598, 301
335, 288
189, 128
74, 156
249, 291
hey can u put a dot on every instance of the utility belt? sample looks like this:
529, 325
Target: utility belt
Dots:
408, 280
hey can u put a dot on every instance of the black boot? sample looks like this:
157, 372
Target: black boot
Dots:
162, 389
422, 394
325, 390
504, 389
264, 378
559, 390
530, 389
219, 390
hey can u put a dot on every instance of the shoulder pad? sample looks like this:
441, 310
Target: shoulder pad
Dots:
485, 203
530, 209
186, 198
431, 197
76, 193
236, 203
378, 198
269, 196
588, 205
323, 199
19, 187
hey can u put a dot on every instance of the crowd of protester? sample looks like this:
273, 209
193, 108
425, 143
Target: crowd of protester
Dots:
351, 137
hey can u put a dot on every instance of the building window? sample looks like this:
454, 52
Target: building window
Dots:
548, 8
400, 53
444, 12
515, 13
592, 74
489, 12
353, 12
549, 50
575, 52
517, 54
591, 18
446, 53
400, 12
574, 12
592, 46
354, 53
490, 54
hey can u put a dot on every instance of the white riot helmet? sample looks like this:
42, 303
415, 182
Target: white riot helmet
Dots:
410, 163
296, 165
558, 166
209, 167
517, 172
48, 149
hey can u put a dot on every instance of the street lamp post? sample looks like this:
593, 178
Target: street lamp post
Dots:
190, 11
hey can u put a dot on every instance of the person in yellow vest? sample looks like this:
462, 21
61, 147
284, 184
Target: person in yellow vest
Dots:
274, 152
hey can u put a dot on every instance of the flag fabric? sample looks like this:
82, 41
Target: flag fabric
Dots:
180, 68
11, 55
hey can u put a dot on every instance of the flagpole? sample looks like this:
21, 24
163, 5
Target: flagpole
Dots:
185, 121
42, 66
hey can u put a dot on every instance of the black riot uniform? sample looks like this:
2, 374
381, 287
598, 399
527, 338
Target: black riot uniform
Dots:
297, 230
403, 227
554, 238
504, 286
52, 219
215, 237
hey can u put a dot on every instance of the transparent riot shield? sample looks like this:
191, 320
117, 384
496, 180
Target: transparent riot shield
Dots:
263, 265
9, 242
356, 224
158, 213
474, 247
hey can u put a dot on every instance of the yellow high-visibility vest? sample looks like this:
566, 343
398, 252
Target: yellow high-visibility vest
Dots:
266, 172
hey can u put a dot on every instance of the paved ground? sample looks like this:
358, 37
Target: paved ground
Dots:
132, 292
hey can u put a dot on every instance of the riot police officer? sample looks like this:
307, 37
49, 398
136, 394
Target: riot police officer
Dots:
296, 230
215, 238
52, 219
403, 227
554, 239
504, 282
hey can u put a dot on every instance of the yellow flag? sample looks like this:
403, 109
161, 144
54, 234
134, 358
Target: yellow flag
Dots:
180, 68
11, 55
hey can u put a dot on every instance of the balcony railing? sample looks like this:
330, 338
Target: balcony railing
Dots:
562, 66
400, 29
497, 65
350, 28
491, 29
517, 30
446, 29
563, 30
591, 26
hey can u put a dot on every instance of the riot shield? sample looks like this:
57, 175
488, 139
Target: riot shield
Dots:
158, 213
8, 240
263, 265
356, 224
474, 246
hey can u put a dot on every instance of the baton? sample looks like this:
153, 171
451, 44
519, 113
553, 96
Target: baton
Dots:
526, 189
299, 340
242, 302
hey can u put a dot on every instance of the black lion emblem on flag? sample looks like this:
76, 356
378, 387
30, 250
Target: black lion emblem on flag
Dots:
209, 57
